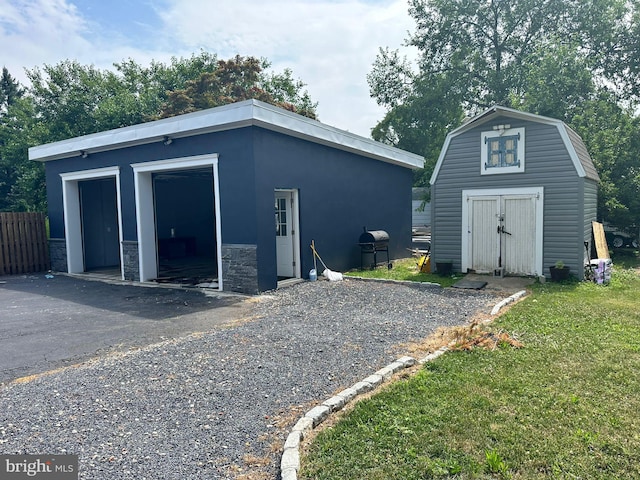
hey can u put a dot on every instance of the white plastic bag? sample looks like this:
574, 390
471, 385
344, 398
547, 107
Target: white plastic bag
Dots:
332, 276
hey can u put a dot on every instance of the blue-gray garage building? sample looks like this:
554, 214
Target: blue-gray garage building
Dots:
233, 194
511, 194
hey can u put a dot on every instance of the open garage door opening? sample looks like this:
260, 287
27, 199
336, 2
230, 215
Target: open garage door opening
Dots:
178, 220
185, 226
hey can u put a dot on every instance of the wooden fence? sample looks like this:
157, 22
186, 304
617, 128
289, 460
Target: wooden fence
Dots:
23, 243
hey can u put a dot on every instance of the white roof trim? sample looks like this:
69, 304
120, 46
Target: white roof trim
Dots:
227, 117
510, 112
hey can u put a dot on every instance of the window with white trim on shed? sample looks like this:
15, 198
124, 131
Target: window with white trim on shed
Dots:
502, 150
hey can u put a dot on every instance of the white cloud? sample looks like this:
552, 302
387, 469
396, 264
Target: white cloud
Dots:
38, 32
328, 44
33, 31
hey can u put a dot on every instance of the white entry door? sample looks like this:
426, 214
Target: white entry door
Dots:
286, 224
503, 233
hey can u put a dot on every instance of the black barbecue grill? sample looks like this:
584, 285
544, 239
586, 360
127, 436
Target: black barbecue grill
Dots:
371, 242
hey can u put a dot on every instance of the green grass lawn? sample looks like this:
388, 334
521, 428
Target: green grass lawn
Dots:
406, 269
565, 406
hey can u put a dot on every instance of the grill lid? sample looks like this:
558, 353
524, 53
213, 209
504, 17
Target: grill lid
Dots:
374, 236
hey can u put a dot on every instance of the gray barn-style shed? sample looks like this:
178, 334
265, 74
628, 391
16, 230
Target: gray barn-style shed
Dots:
512, 193
233, 195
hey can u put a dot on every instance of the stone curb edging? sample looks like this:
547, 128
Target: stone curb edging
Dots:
507, 301
290, 462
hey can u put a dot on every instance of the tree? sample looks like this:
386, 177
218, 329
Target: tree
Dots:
560, 84
16, 120
70, 99
66, 97
10, 90
237, 79
482, 49
485, 45
545, 56
556, 82
146, 89
288, 92
421, 122
22, 185
612, 137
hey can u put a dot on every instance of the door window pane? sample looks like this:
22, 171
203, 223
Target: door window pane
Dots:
281, 217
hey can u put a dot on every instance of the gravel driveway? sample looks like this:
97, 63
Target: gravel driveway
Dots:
220, 404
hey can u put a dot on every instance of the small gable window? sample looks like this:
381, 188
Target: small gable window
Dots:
502, 150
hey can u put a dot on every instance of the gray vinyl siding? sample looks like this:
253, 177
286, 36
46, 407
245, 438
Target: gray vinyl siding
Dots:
547, 165
420, 214
446, 214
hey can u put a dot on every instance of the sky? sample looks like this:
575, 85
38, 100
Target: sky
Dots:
328, 44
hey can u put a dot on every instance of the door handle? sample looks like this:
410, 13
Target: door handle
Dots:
502, 230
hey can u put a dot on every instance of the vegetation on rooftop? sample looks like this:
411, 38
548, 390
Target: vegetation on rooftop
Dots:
69, 99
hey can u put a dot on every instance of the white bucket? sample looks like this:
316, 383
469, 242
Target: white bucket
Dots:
313, 275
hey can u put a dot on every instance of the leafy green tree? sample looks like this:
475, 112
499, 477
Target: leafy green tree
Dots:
612, 136
560, 84
548, 57
237, 79
288, 92
10, 90
556, 83
16, 117
421, 122
22, 185
145, 90
70, 99
485, 45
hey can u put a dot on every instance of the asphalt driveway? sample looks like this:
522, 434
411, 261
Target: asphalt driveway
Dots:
46, 323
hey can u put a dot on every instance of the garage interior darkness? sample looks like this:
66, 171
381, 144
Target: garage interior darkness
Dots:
185, 226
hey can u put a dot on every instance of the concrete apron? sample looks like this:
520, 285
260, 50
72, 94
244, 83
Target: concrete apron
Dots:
509, 285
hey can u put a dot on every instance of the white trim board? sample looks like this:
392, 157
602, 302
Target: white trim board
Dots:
73, 217
227, 117
484, 154
145, 210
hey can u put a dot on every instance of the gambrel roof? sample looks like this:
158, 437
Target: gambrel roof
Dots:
575, 146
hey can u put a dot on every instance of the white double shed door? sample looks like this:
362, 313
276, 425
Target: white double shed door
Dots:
502, 231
